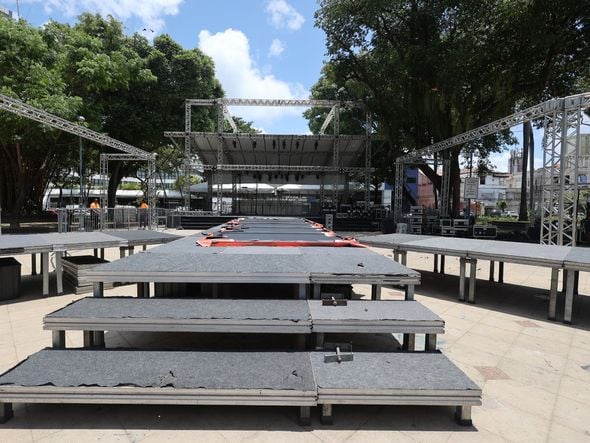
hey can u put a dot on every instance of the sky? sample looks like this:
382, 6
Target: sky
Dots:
261, 48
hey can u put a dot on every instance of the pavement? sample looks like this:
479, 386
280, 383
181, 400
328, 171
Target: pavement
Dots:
535, 373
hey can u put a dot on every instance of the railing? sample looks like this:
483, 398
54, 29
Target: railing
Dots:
103, 219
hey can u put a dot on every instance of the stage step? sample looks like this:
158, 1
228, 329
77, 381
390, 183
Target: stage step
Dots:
300, 379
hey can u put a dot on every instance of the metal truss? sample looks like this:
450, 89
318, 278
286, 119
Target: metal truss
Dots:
561, 151
274, 102
186, 186
181, 134
24, 110
223, 115
151, 184
286, 168
398, 187
534, 112
227, 116
368, 157
561, 155
335, 110
528, 114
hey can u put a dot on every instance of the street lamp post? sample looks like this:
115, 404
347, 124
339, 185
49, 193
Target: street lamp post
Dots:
81, 202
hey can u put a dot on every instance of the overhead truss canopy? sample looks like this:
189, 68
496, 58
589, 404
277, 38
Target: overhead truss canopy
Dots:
270, 149
234, 151
562, 119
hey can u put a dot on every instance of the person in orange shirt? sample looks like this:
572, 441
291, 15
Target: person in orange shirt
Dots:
94, 207
143, 214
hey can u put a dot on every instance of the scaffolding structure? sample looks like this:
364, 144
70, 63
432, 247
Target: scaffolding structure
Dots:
150, 181
562, 119
129, 152
220, 152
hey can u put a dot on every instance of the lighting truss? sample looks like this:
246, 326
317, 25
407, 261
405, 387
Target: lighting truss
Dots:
24, 110
286, 168
562, 121
222, 105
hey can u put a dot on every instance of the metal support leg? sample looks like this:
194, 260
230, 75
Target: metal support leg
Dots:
98, 289
472, 276
501, 272
6, 412
553, 293
140, 288
396, 255
121, 252
45, 270
327, 418
317, 291
430, 342
319, 340
463, 415
435, 270
33, 264
131, 250
102, 253
301, 341
95, 252
88, 339
404, 257
376, 292
462, 279
442, 264
569, 298
98, 339
409, 343
304, 415
144, 247
492, 266
409, 292
58, 339
576, 282
302, 292
59, 274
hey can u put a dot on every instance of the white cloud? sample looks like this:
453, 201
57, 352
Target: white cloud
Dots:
150, 12
282, 15
241, 78
276, 48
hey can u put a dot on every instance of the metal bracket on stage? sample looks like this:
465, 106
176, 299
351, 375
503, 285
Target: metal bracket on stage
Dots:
334, 302
342, 352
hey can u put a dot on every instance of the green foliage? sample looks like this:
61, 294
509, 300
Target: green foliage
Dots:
123, 86
431, 70
181, 182
130, 187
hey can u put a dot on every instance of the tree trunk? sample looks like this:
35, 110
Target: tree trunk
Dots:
114, 181
455, 179
523, 211
532, 168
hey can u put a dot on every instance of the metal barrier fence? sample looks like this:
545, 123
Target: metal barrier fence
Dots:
118, 218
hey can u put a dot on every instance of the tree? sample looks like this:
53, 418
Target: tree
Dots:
29, 153
430, 70
122, 85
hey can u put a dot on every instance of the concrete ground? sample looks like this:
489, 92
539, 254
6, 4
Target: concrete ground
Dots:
535, 373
